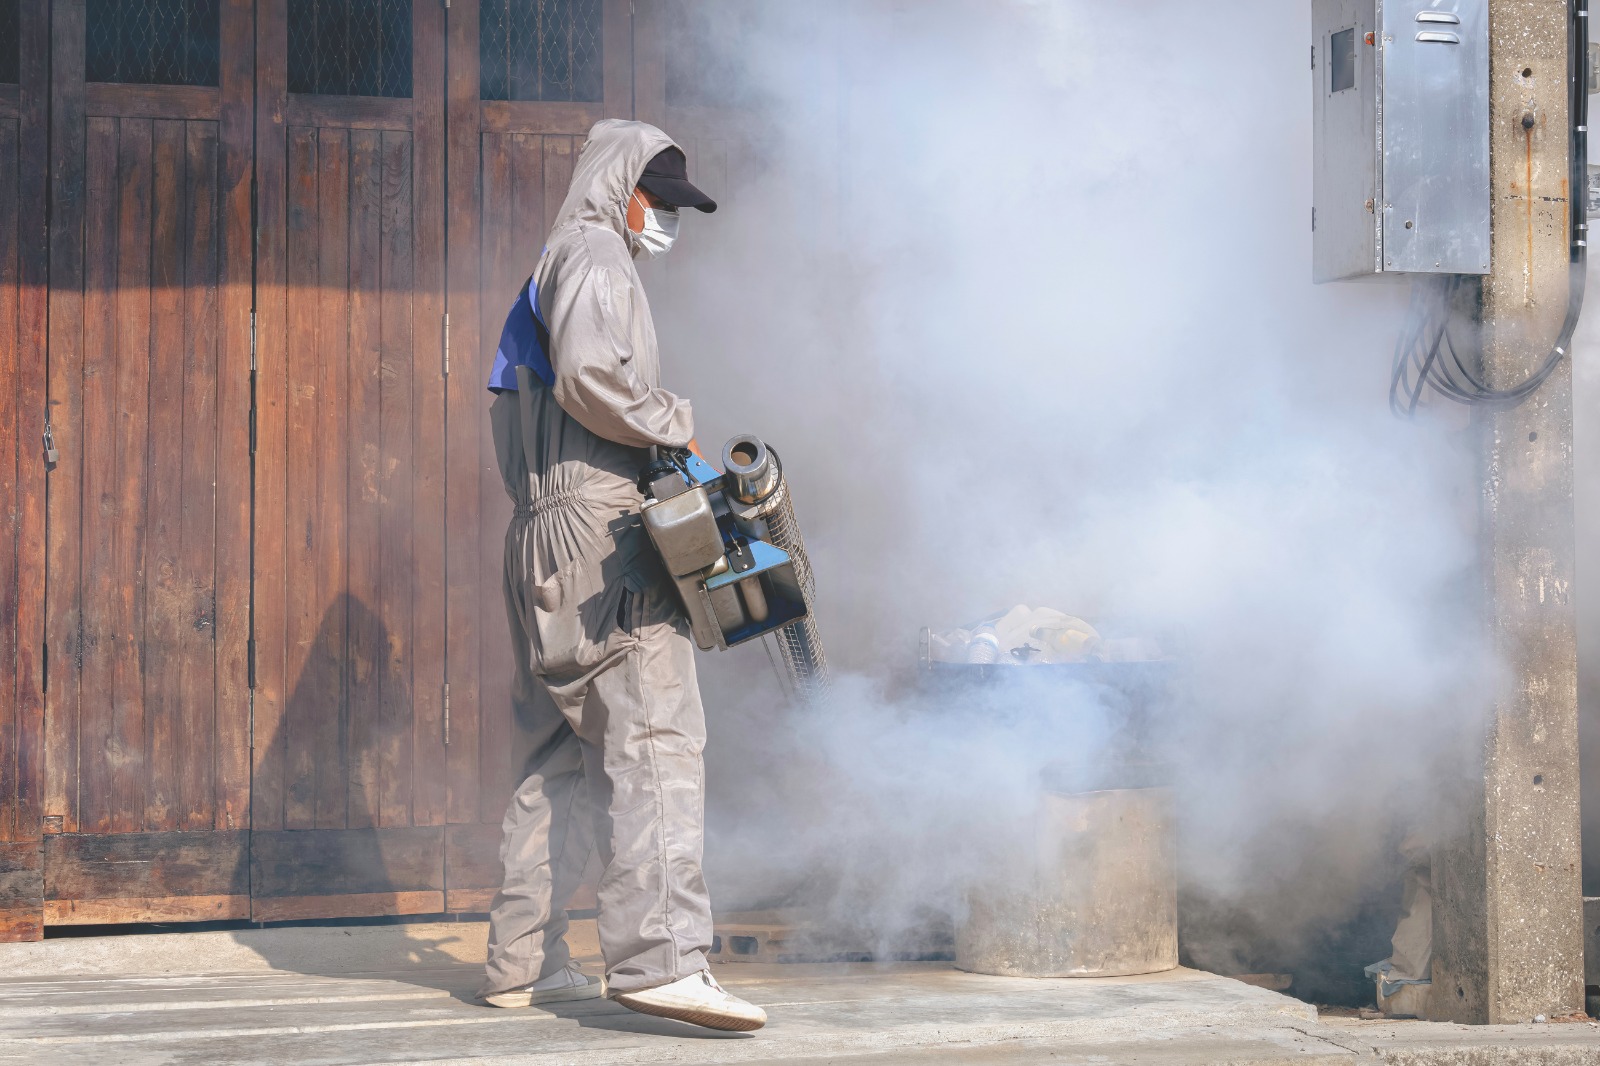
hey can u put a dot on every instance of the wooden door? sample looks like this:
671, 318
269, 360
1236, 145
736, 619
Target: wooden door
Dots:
348, 804
527, 80
24, 99
147, 605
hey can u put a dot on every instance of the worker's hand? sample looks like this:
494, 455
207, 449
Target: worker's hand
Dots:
694, 446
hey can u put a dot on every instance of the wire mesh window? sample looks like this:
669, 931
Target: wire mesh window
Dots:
547, 50
151, 42
10, 40
350, 47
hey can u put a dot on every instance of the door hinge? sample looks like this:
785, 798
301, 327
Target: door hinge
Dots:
447, 344
250, 663
447, 714
252, 340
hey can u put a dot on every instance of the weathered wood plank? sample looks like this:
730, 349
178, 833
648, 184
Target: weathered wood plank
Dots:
465, 402
11, 463
498, 258
192, 102
348, 861
146, 865
352, 905
127, 747
472, 860
555, 173
325, 700
131, 909
201, 714
305, 651
469, 900
349, 112
616, 33
365, 632
234, 268
166, 767
95, 645
394, 489
521, 116
426, 503
21, 892
275, 398
68, 136
33, 326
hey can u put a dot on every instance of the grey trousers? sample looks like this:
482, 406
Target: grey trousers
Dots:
617, 762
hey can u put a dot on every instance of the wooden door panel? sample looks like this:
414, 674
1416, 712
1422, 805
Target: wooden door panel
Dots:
147, 606
24, 97
101, 879
350, 489
348, 736
146, 654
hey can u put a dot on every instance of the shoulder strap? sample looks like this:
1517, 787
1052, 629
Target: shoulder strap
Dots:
539, 360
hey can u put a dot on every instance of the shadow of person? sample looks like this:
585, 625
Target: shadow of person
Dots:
614, 1017
332, 839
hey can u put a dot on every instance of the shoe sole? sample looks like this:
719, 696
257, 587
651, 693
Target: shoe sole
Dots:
529, 999
709, 1019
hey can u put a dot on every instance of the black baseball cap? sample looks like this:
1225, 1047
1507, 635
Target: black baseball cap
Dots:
666, 177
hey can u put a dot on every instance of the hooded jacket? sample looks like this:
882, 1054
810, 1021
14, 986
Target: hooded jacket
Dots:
585, 438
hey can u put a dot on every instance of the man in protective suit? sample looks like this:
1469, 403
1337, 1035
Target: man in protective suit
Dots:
605, 678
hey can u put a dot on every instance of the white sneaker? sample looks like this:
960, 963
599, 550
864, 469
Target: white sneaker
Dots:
699, 1000
560, 987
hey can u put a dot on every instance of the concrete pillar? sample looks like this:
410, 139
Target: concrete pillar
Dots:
1508, 919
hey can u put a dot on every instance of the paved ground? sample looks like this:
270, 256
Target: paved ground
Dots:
404, 995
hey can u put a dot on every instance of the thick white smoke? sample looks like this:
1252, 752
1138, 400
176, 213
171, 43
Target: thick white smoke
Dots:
1020, 291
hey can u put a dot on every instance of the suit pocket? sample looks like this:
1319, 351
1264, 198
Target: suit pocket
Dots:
574, 615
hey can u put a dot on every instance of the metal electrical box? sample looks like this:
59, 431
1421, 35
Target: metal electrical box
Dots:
1401, 183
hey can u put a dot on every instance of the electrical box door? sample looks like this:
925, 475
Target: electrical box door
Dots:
1401, 134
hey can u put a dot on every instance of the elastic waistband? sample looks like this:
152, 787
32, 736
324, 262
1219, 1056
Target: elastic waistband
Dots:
544, 504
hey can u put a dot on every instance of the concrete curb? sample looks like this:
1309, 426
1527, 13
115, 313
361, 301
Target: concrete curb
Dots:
313, 950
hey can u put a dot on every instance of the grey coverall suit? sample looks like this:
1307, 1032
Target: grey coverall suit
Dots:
594, 618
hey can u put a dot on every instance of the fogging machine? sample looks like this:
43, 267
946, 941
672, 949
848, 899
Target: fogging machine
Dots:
733, 548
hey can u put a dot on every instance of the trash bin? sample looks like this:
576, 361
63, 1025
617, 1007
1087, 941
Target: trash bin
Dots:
1098, 896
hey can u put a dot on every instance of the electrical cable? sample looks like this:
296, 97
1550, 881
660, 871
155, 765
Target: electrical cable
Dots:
1419, 362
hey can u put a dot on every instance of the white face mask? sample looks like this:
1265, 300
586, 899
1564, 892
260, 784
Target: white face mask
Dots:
660, 231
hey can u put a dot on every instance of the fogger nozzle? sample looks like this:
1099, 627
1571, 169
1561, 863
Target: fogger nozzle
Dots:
753, 470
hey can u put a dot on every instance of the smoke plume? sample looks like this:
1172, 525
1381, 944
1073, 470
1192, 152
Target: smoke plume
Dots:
1020, 290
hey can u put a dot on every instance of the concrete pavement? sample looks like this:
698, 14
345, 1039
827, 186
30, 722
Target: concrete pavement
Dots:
403, 994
